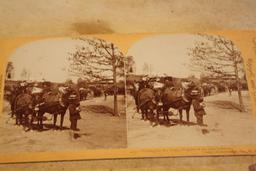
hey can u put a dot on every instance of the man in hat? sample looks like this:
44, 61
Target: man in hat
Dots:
198, 106
199, 111
74, 107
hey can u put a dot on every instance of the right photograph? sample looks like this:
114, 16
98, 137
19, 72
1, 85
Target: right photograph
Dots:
187, 90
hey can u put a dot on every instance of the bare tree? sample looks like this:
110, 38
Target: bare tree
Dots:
98, 60
218, 58
129, 65
9, 70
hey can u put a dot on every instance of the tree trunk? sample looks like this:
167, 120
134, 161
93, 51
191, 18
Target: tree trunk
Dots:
115, 93
114, 81
239, 91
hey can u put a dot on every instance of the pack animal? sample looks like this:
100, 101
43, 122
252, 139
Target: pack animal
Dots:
23, 110
178, 98
146, 103
55, 104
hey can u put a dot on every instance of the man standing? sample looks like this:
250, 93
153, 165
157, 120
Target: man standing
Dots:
74, 108
199, 111
74, 115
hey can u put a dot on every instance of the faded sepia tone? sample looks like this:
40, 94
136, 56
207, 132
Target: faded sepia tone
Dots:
29, 18
182, 90
58, 97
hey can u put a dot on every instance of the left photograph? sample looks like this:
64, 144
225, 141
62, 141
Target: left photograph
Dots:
64, 94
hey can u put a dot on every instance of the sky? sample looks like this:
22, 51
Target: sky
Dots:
166, 54
48, 59
44, 59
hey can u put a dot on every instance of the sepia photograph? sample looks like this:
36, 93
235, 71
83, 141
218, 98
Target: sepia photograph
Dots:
187, 90
63, 94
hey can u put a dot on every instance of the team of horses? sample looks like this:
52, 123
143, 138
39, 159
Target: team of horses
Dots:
31, 103
154, 102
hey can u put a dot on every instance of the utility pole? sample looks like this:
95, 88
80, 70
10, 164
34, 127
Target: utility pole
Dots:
114, 80
238, 84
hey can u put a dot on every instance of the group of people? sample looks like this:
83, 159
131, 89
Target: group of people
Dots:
167, 95
39, 97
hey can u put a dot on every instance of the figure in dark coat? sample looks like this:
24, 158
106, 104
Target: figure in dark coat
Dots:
74, 109
199, 111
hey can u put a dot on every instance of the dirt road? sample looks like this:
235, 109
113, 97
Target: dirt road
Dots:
98, 129
225, 126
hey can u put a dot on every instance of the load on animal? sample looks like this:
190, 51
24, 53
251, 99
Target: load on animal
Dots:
30, 101
155, 96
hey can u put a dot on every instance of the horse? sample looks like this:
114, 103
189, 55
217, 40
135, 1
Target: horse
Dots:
55, 104
12, 94
23, 109
178, 98
134, 93
208, 89
83, 93
146, 103
137, 87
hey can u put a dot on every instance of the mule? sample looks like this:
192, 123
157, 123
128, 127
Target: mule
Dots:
23, 110
55, 104
177, 98
146, 103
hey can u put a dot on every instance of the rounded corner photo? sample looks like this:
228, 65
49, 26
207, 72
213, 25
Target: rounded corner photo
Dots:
63, 94
187, 90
